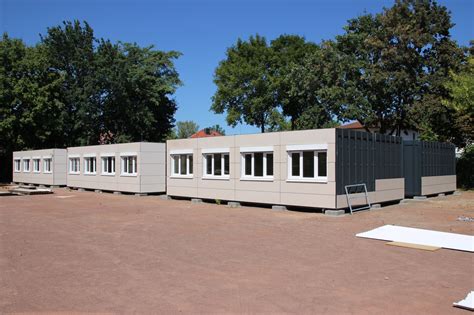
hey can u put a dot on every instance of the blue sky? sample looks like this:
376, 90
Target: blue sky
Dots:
202, 30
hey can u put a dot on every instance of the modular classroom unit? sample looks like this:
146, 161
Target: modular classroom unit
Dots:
127, 167
307, 168
42, 167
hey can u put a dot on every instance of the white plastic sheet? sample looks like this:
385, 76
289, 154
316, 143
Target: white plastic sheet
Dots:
467, 303
422, 237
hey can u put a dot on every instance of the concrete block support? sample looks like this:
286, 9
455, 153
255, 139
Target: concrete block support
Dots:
441, 195
196, 200
457, 193
334, 213
165, 197
117, 192
98, 191
278, 208
233, 204
81, 189
141, 195
375, 206
419, 198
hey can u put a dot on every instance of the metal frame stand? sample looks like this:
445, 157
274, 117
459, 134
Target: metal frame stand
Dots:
352, 198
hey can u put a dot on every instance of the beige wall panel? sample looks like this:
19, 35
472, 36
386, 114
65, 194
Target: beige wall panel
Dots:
389, 184
258, 140
262, 186
181, 191
437, 189
257, 196
308, 200
318, 136
388, 195
182, 182
437, 180
223, 194
216, 184
308, 188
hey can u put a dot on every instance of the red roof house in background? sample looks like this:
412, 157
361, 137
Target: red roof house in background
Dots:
206, 132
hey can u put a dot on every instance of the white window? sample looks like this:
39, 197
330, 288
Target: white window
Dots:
74, 165
36, 165
308, 165
108, 165
182, 165
90, 165
129, 165
17, 165
216, 165
257, 165
26, 165
47, 165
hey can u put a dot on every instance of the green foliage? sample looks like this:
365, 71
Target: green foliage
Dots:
74, 89
465, 168
461, 99
395, 64
185, 129
218, 129
244, 85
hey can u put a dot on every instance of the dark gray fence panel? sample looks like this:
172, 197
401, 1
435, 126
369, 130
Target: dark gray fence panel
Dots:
422, 158
364, 157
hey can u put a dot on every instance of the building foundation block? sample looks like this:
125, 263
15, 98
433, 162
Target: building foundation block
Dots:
334, 213
165, 197
420, 198
117, 192
98, 191
375, 206
196, 200
233, 204
141, 194
81, 189
279, 208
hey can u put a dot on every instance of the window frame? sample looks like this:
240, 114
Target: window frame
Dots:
78, 164
189, 165
50, 165
23, 165
103, 162
15, 168
316, 178
134, 172
36, 162
206, 155
253, 177
86, 162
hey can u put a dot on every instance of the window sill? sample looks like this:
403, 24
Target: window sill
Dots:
45, 172
182, 176
16, 171
257, 179
306, 180
90, 174
216, 177
107, 174
128, 175
36, 172
74, 173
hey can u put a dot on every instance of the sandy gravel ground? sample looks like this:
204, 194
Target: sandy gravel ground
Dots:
102, 253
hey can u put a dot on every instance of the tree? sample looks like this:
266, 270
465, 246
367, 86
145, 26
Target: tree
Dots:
244, 84
290, 81
218, 129
185, 129
73, 89
393, 66
461, 99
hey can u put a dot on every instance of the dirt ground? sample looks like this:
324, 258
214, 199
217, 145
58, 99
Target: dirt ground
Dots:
102, 253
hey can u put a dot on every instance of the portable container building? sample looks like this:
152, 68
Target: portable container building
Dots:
429, 168
43, 167
127, 167
309, 168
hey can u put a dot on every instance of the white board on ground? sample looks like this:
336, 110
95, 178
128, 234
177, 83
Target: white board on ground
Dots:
467, 303
422, 237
